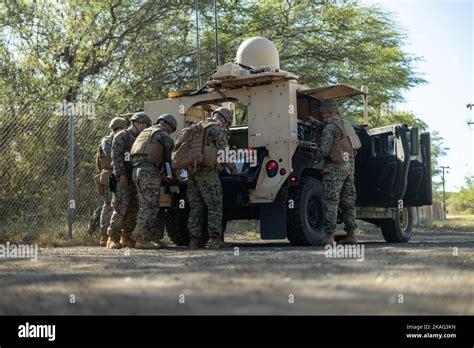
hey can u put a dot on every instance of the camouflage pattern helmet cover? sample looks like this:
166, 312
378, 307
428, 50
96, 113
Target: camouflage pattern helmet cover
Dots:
168, 118
328, 106
141, 117
118, 122
226, 113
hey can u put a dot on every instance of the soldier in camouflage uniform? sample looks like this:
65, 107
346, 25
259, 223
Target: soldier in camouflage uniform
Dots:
204, 189
338, 175
151, 150
124, 199
104, 166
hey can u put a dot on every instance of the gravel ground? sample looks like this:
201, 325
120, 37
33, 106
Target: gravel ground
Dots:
433, 274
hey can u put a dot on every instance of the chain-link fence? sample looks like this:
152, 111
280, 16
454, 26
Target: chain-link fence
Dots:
428, 213
35, 168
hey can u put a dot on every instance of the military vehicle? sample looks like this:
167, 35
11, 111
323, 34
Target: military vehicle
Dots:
283, 187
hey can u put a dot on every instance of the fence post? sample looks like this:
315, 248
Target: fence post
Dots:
70, 183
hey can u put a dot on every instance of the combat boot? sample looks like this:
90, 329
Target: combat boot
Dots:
329, 239
103, 240
216, 243
350, 238
161, 243
148, 245
127, 242
113, 243
195, 243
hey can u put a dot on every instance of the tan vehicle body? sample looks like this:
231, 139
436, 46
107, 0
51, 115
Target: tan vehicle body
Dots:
392, 168
273, 107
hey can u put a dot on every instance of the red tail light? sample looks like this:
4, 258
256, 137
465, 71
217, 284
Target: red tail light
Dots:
272, 168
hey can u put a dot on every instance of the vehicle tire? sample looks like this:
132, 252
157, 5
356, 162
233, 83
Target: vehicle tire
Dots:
177, 227
305, 221
400, 229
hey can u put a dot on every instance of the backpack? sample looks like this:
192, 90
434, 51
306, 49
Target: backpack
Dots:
192, 148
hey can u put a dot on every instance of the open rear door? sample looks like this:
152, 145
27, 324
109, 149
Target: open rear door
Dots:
382, 166
419, 188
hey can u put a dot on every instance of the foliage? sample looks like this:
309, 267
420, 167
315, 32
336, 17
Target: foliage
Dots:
120, 53
462, 202
117, 54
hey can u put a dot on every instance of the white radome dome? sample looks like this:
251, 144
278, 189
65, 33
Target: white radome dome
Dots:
258, 52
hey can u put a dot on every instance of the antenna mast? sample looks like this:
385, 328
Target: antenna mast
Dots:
215, 30
198, 48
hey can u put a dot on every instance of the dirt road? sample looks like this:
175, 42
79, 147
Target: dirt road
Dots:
426, 276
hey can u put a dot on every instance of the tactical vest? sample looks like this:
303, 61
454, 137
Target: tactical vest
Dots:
209, 150
347, 144
143, 145
103, 161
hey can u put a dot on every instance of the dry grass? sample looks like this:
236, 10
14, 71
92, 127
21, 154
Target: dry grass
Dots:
455, 222
46, 236
56, 235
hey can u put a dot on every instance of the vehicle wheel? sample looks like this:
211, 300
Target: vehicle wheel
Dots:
305, 222
400, 229
177, 227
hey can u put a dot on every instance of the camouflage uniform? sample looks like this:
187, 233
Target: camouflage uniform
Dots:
205, 191
107, 210
147, 179
124, 199
338, 181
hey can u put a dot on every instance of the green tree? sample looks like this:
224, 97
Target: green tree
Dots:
118, 54
322, 42
462, 202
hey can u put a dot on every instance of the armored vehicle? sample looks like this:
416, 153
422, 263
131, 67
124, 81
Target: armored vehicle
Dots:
282, 186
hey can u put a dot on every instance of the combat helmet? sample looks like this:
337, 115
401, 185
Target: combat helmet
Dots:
169, 119
118, 122
328, 106
141, 117
226, 113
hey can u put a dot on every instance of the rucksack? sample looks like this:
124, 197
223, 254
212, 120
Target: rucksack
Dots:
192, 148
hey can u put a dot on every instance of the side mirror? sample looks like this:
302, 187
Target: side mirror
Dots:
414, 142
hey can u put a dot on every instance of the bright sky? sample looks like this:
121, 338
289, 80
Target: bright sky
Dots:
442, 33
